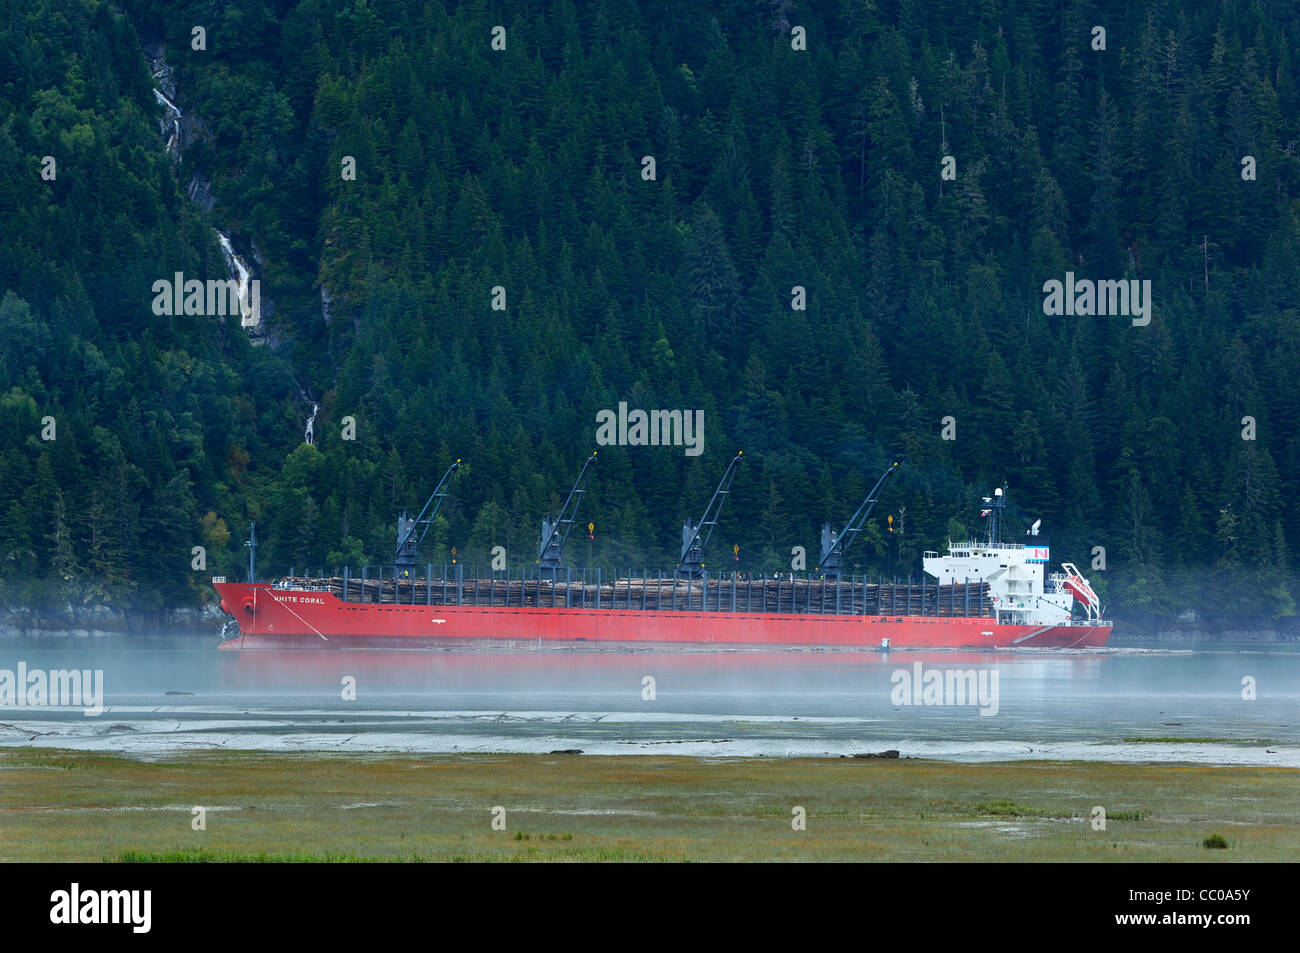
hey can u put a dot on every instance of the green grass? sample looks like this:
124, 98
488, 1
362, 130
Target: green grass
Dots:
189, 855
1215, 842
1012, 809
521, 835
264, 807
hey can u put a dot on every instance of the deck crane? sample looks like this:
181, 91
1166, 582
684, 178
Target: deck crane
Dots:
691, 564
555, 531
407, 544
835, 546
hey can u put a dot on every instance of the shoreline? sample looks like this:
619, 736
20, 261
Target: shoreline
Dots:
135, 732
101, 621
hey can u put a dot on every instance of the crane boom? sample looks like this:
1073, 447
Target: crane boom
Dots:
555, 532
407, 545
834, 547
693, 544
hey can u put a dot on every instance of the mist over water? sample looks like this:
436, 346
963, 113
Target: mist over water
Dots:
168, 695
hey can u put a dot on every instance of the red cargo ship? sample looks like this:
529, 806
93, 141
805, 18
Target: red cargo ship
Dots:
293, 614
986, 594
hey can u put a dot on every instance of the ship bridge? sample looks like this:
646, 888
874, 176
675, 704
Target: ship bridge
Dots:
1015, 575
1015, 572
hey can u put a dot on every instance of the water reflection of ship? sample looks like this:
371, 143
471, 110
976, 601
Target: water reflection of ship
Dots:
502, 670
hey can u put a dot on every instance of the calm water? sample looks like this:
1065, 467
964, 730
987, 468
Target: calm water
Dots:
162, 696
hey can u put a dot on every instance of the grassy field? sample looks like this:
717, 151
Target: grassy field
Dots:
74, 806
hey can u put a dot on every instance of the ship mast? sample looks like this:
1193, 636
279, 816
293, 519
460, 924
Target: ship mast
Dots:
251, 543
994, 506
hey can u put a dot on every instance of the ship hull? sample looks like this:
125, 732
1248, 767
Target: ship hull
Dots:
275, 618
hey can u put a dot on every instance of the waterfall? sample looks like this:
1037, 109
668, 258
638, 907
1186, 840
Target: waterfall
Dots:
249, 290
173, 140
309, 436
250, 304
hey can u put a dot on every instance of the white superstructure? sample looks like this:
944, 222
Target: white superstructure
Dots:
1022, 591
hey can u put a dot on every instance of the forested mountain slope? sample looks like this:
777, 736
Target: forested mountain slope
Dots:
522, 169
